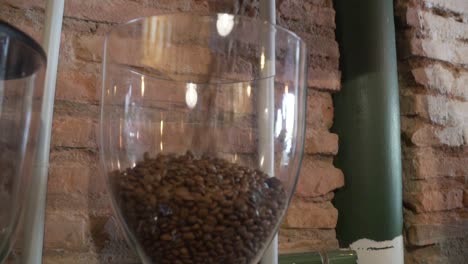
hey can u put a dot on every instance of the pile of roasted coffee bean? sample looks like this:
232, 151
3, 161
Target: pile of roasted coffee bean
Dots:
184, 209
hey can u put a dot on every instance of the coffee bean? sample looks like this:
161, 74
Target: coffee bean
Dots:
184, 209
203, 212
210, 220
188, 236
166, 237
192, 219
208, 228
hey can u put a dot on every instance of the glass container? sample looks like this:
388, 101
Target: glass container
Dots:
22, 66
201, 134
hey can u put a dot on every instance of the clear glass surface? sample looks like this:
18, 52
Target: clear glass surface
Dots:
22, 64
201, 134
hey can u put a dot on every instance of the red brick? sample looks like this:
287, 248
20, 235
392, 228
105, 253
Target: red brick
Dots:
292, 9
78, 203
458, 112
74, 258
319, 45
318, 177
455, 249
108, 11
319, 109
445, 50
89, 47
437, 200
28, 21
232, 99
430, 254
75, 182
26, 4
113, 253
329, 80
77, 86
67, 59
442, 80
307, 13
178, 137
306, 240
75, 172
431, 228
319, 15
109, 242
78, 131
456, 6
69, 178
325, 79
302, 214
320, 142
196, 60
115, 10
435, 26
81, 156
162, 99
465, 198
64, 230
228, 139
428, 163
78, 26
423, 134
222, 6
68, 131
436, 109
318, 199
324, 3
433, 184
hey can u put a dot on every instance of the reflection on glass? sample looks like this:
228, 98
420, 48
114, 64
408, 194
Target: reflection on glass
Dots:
161, 132
262, 60
142, 86
191, 95
224, 24
285, 122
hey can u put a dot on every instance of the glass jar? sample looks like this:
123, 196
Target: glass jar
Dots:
22, 66
202, 134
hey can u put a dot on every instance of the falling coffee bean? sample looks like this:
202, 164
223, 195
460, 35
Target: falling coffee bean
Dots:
184, 209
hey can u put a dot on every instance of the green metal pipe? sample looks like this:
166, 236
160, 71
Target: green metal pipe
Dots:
332, 257
368, 124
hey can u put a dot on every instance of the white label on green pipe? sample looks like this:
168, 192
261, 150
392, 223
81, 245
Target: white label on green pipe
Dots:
381, 252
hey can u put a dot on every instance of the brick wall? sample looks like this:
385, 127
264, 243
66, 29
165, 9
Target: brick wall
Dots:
79, 228
433, 73
311, 220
